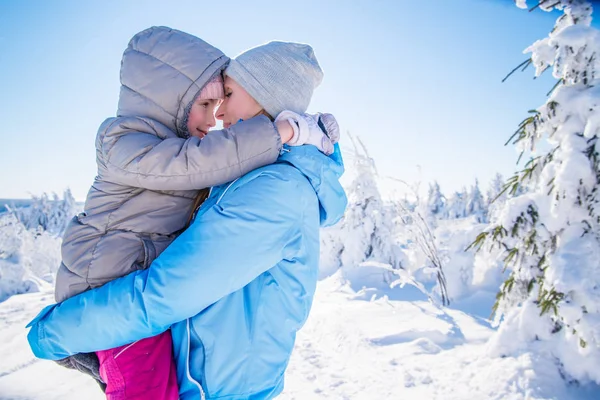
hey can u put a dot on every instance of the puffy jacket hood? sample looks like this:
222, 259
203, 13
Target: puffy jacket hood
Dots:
323, 173
162, 70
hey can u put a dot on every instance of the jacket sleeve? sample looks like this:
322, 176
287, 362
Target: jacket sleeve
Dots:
144, 160
225, 248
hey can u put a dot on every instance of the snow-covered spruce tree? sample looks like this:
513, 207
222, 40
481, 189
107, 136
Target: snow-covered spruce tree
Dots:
549, 237
436, 201
495, 195
45, 214
457, 205
366, 231
476, 205
30, 239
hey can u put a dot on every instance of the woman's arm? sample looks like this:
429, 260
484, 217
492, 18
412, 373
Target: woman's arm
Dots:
248, 232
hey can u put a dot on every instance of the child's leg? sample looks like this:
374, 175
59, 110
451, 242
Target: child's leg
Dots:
141, 370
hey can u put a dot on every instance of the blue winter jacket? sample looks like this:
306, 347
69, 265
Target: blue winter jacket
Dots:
235, 287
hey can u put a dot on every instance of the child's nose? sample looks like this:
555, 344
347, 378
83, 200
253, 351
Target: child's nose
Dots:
211, 120
220, 112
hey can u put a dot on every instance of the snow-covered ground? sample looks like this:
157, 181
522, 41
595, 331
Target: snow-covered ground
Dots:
355, 345
370, 347
363, 339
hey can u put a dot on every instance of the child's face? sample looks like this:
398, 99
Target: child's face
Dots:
238, 104
202, 117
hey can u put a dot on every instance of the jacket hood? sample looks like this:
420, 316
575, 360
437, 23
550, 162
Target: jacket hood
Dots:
162, 70
323, 173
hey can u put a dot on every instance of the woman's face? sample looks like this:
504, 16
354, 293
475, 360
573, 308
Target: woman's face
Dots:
202, 117
238, 104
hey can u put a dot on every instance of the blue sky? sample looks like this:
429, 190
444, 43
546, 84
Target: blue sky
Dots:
418, 81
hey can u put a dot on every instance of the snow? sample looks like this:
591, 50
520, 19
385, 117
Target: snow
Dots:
374, 332
30, 244
352, 347
22, 376
521, 4
27, 260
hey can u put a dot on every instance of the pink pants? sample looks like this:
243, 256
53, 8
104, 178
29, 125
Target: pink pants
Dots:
141, 370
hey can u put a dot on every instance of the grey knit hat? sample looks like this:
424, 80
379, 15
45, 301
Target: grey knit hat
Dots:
278, 75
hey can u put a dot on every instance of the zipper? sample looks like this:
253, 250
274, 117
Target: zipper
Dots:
225, 191
187, 364
126, 348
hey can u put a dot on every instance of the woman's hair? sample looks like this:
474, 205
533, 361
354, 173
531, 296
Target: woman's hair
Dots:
265, 113
202, 195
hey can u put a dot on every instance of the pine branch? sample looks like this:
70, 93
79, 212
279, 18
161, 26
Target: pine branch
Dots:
539, 4
525, 63
560, 81
554, 5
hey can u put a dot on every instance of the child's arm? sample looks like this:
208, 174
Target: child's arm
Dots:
133, 158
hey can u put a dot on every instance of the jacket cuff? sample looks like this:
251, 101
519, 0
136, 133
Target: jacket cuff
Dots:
279, 143
34, 338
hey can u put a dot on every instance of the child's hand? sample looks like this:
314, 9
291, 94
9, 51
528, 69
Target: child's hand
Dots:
329, 125
319, 130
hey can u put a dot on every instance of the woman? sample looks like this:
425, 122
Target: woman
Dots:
239, 282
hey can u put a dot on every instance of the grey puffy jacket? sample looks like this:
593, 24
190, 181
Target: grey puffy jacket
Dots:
149, 170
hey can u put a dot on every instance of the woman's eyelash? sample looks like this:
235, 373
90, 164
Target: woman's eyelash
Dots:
228, 94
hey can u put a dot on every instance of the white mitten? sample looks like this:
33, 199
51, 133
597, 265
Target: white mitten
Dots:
307, 131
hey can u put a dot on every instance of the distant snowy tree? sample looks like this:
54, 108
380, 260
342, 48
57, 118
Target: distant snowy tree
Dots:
436, 201
45, 214
457, 205
495, 192
30, 257
495, 195
366, 231
476, 205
